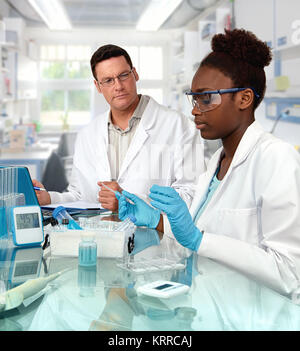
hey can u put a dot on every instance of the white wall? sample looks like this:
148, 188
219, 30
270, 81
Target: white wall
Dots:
269, 20
4, 9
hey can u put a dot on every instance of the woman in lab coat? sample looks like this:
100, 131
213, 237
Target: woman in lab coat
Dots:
246, 211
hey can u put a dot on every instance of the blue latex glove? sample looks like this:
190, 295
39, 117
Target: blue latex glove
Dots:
139, 212
169, 201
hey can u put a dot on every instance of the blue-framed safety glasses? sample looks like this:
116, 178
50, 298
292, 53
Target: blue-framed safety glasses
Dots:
209, 100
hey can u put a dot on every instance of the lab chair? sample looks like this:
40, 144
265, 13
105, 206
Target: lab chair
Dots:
54, 175
65, 151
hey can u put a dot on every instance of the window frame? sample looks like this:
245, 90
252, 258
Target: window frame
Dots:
65, 84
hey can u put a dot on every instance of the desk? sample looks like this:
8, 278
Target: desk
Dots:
34, 160
105, 298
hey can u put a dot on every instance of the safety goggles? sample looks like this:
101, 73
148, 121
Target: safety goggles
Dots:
209, 100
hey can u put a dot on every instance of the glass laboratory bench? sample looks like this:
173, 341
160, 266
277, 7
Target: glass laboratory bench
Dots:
106, 297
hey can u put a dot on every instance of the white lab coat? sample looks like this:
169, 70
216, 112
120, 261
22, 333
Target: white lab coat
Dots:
164, 141
252, 222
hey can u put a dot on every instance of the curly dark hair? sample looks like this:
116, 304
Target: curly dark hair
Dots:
105, 52
241, 56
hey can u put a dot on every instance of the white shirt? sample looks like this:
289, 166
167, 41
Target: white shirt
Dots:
120, 139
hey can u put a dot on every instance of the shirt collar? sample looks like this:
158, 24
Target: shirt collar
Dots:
137, 114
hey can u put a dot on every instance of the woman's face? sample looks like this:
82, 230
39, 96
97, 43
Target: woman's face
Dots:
224, 119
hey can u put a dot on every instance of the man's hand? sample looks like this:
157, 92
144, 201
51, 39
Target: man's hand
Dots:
106, 197
42, 196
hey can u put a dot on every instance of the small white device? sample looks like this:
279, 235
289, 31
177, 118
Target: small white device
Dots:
163, 289
27, 225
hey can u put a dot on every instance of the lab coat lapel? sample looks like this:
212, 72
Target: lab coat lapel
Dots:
203, 183
101, 141
140, 136
135, 146
246, 145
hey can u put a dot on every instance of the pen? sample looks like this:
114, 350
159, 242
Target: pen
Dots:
38, 188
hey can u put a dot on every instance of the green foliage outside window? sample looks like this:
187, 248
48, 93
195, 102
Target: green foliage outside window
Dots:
53, 100
78, 70
52, 70
79, 100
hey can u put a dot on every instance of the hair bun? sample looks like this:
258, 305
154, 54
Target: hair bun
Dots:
242, 45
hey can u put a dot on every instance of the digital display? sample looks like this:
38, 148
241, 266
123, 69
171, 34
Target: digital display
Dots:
27, 220
164, 286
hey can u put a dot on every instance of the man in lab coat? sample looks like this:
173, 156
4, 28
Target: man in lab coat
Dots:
136, 144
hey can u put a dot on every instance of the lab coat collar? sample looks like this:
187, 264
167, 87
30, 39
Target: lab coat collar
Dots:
104, 124
246, 145
150, 114
147, 120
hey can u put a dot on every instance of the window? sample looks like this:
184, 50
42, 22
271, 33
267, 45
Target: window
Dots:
157, 94
148, 60
151, 63
52, 70
66, 85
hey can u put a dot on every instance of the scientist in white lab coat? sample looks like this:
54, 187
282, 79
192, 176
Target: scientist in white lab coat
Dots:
136, 144
246, 211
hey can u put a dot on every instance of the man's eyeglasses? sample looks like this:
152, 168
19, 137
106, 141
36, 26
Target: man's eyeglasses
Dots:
209, 100
107, 82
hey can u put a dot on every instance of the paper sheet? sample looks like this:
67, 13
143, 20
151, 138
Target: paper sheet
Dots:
81, 205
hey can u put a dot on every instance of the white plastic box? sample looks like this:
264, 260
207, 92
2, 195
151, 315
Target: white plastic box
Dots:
114, 239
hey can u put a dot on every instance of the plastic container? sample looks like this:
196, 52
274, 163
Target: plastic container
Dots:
87, 278
61, 213
116, 239
87, 250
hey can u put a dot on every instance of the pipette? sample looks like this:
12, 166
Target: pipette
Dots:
115, 192
108, 188
131, 216
14, 297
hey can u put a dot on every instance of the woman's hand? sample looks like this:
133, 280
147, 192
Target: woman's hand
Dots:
167, 200
138, 211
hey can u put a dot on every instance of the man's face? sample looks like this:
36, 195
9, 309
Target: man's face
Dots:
121, 95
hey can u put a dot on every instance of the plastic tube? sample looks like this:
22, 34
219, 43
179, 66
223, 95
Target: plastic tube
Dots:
61, 213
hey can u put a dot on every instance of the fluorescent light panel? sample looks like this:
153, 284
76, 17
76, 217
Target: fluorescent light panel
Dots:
156, 14
52, 13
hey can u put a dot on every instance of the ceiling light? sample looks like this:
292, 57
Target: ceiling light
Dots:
53, 13
156, 13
